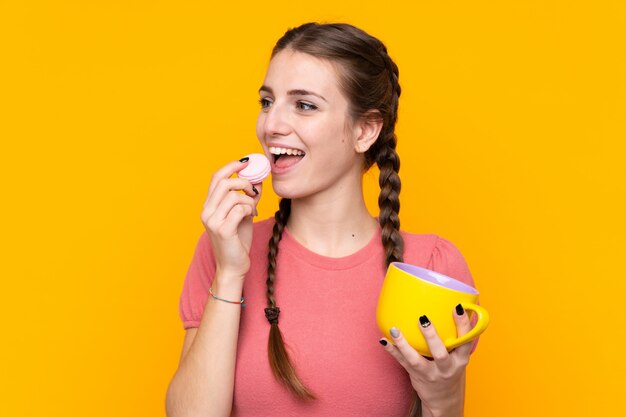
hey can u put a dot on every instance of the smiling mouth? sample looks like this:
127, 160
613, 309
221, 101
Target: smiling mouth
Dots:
286, 157
284, 153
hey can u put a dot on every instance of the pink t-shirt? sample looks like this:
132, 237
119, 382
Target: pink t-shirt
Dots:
327, 317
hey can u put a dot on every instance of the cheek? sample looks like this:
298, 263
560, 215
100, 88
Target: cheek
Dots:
259, 126
327, 134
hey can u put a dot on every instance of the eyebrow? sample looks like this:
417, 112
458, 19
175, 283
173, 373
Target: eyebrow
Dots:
298, 92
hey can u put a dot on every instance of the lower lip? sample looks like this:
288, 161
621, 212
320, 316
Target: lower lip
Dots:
283, 170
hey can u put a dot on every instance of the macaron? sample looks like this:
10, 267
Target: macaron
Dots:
257, 170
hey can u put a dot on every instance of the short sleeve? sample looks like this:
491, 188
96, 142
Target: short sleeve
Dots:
197, 282
448, 260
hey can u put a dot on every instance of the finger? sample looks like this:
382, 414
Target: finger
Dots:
463, 326
435, 344
393, 351
226, 172
258, 190
223, 187
235, 216
410, 355
249, 190
227, 204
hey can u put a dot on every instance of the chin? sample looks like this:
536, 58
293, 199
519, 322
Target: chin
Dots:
287, 192
290, 191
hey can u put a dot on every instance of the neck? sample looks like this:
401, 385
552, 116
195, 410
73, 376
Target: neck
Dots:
335, 224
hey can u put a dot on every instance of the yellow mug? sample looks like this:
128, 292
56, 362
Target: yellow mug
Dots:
409, 292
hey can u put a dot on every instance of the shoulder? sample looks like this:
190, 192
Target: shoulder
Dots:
436, 253
418, 248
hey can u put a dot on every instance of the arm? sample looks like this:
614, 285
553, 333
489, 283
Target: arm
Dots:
204, 382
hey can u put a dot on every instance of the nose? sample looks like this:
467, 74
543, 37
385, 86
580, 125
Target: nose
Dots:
276, 121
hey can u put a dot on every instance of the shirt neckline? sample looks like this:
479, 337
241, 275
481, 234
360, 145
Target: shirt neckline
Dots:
362, 255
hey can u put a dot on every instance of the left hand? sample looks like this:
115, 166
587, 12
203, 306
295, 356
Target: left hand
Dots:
440, 381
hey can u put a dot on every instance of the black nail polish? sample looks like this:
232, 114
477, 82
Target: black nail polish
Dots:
424, 321
255, 190
245, 159
383, 342
459, 310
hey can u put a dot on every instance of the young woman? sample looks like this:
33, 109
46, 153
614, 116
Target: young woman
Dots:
329, 106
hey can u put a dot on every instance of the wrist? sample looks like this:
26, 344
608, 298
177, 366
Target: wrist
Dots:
234, 272
229, 278
451, 409
450, 403
228, 286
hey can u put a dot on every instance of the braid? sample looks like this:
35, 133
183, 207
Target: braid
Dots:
279, 359
388, 201
281, 217
388, 162
394, 74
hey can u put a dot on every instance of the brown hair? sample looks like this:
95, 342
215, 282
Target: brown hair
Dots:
369, 80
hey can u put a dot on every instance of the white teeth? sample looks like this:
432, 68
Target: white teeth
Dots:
283, 151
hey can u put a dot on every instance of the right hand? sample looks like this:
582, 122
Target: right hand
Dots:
227, 217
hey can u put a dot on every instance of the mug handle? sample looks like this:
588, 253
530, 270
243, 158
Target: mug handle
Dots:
481, 326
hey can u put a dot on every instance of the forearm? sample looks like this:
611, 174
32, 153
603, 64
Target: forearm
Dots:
204, 382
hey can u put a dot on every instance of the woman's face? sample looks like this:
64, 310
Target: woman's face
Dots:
304, 126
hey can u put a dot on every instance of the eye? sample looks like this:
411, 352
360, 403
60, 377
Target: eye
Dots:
303, 105
265, 103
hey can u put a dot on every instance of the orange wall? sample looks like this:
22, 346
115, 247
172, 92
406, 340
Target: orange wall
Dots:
115, 113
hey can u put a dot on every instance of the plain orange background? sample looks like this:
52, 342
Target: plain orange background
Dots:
114, 114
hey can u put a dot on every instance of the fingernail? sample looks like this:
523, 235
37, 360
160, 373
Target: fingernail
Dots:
383, 342
255, 190
424, 321
244, 159
459, 310
394, 332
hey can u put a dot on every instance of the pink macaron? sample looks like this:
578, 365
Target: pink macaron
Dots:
257, 170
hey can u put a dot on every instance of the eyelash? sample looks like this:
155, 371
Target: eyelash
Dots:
264, 102
310, 107
301, 105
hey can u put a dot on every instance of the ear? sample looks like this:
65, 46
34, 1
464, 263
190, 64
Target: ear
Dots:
367, 130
